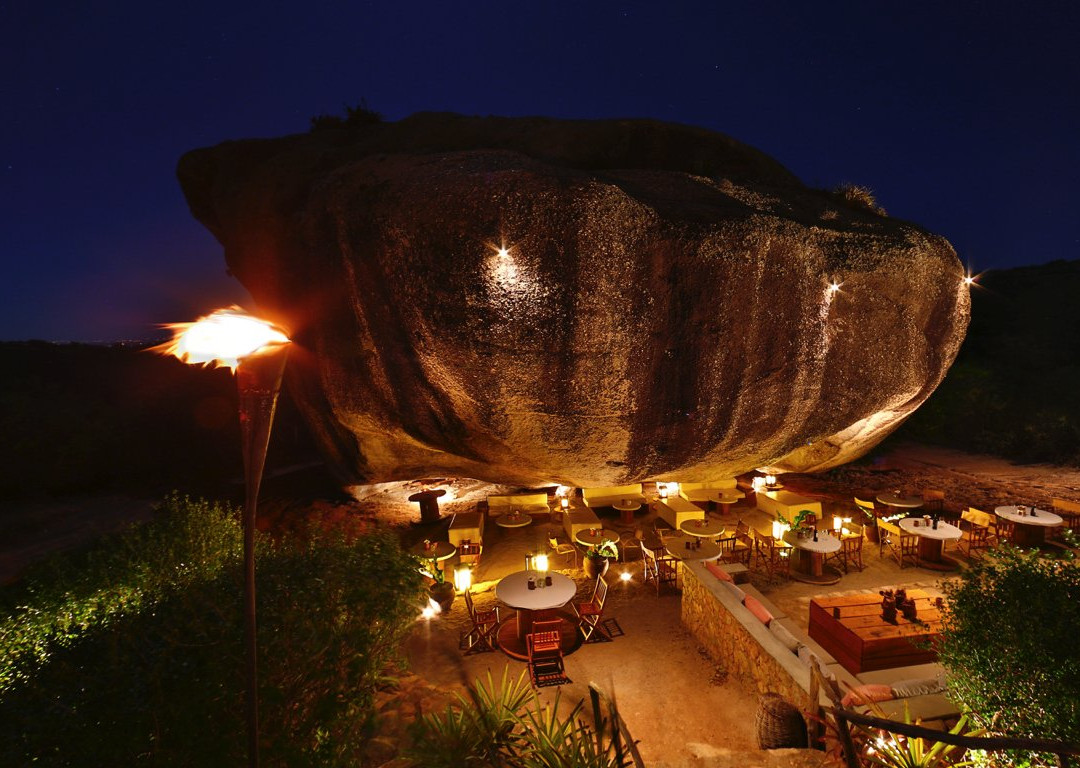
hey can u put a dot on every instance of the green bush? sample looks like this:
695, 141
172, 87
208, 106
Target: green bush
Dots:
132, 652
506, 725
1009, 644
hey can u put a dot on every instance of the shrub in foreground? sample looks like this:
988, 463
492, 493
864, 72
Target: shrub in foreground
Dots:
132, 652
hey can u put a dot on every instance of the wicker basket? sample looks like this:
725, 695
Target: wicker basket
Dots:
779, 724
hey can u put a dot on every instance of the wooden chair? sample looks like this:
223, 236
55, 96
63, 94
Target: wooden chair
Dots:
904, 546
590, 614
659, 567
629, 540
734, 551
850, 553
485, 628
469, 552
1069, 511
743, 537
565, 549
1003, 530
933, 500
545, 656
974, 540
773, 556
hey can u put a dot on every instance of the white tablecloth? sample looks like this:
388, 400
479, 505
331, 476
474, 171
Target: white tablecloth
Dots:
944, 531
514, 591
826, 542
1041, 517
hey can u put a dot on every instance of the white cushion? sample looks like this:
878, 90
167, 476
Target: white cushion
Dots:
781, 633
920, 686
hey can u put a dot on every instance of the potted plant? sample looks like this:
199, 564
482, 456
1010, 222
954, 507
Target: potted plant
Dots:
799, 523
441, 590
598, 557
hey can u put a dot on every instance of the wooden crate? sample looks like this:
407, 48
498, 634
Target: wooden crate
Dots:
861, 640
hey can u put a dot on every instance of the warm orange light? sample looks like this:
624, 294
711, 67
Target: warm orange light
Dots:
224, 337
462, 579
968, 280
625, 576
834, 287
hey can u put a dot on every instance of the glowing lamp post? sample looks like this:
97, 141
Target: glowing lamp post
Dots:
256, 352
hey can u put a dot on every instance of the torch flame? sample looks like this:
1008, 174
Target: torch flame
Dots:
224, 337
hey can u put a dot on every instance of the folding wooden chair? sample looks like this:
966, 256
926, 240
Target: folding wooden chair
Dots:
904, 546
974, 540
773, 556
734, 551
485, 628
590, 614
545, 656
660, 567
850, 553
469, 552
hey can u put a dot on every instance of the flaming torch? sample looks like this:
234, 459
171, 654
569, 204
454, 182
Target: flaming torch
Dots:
255, 350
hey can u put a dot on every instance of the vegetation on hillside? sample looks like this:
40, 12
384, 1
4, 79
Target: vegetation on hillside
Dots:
1012, 391
133, 650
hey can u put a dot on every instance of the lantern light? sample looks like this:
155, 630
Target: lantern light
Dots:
462, 579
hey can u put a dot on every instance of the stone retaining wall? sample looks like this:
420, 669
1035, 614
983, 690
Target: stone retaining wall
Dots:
733, 637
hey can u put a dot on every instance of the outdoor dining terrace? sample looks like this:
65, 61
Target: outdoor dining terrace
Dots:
711, 602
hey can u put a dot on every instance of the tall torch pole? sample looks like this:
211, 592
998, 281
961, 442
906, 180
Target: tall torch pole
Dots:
256, 350
258, 381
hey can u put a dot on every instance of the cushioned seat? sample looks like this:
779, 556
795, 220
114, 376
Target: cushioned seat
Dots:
605, 496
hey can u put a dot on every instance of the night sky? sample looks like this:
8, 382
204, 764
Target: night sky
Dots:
960, 116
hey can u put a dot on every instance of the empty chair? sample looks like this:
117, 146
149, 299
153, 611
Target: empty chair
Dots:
772, 555
565, 549
469, 552
933, 500
591, 612
850, 553
545, 656
974, 540
485, 627
659, 567
628, 541
734, 551
904, 545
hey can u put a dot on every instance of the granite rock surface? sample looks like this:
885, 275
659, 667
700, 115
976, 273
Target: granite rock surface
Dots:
532, 301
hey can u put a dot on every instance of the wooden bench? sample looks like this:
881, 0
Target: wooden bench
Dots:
786, 505
467, 527
605, 496
675, 510
701, 492
533, 503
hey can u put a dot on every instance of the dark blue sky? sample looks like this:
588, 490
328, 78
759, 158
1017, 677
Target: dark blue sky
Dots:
961, 116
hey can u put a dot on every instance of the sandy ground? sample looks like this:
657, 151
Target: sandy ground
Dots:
681, 708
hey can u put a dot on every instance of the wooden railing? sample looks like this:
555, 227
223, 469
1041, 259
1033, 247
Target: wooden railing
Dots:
843, 717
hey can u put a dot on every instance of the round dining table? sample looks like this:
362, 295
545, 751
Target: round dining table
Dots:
932, 541
1029, 523
705, 527
626, 509
900, 502
533, 604
515, 518
683, 547
590, 537
809, 565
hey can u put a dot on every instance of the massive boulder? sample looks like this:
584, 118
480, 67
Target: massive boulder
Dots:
537, 301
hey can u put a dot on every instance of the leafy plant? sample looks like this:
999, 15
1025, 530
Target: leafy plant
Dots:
800, 518
1008, 643
890, 750
508, 726
604, 549
859, 196
132, 650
